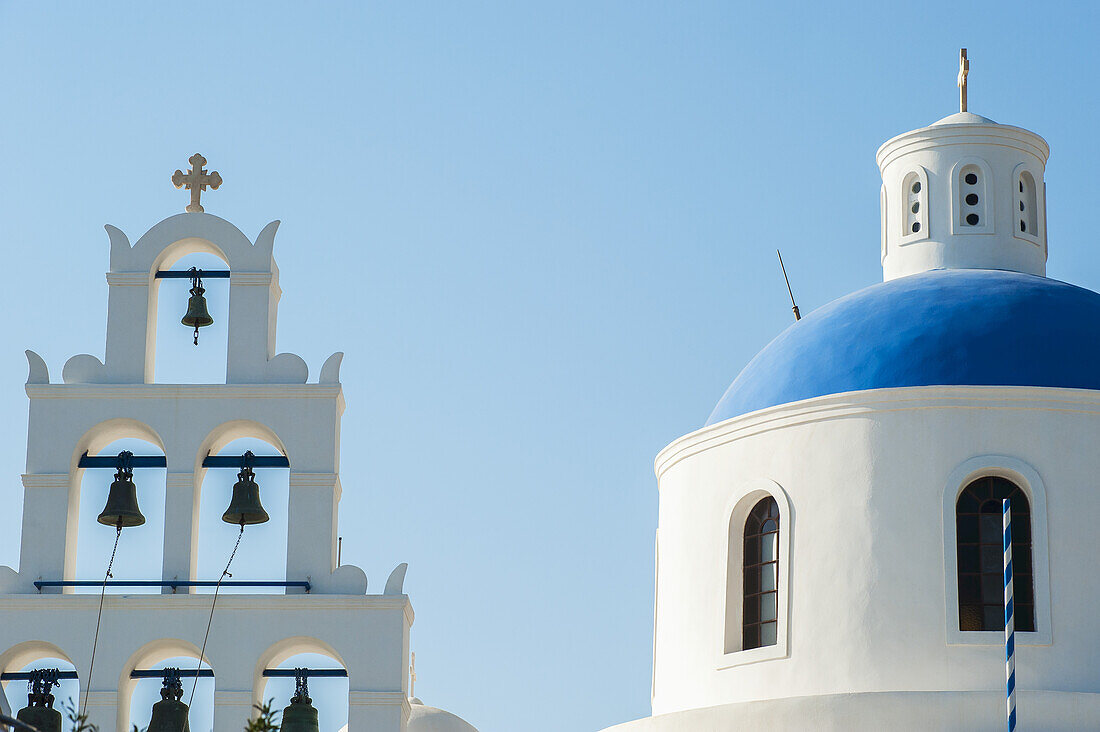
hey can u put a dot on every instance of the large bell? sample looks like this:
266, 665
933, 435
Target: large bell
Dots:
244, 508
300, 716
39, 712
122, 509
197, 315
170, 714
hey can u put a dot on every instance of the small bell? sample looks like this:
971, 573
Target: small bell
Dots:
197, 315
39, 712
122, 509
170, 714
300, 716
244, 508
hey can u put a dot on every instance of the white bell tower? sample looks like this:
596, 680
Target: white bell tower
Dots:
963, 193
266, 395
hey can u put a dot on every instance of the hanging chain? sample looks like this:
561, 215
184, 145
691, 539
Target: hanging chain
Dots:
301, 687
39, 685
213, 604
99, 617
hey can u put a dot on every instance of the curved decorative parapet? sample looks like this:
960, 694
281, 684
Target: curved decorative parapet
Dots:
120, 243
12, 583
330, 372
286, 368
345, 580
84, 368
395, 585
265, 242
38, 372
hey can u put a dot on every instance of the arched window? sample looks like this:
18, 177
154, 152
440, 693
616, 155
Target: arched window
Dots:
1027, 208
761, 576
979, 532
973, 213
914, 198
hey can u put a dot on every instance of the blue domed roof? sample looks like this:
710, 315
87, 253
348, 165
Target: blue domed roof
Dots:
943, 327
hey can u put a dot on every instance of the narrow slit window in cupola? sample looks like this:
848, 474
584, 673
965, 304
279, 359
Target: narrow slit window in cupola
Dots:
914, 198
972, 200
1027, 220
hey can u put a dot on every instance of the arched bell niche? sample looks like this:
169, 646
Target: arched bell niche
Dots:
261, 555
140, 548
137, 696
329, 694
177, 360
32, 656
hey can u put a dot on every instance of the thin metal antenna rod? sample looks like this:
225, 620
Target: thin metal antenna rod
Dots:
794, 308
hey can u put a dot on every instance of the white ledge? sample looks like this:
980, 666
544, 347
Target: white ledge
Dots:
299, 601
855, 403
183, 391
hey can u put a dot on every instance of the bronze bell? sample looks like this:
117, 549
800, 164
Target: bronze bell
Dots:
244, 508
197, 315
122, 509
300, 716
170, 714
39, 712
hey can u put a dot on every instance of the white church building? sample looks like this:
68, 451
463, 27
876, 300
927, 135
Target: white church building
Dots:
828, 550
829, 547
322, 608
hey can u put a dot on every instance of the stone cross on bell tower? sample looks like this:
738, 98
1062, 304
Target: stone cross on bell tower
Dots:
196, 180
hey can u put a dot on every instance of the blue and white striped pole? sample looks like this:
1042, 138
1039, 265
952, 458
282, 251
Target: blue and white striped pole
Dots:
1010, 622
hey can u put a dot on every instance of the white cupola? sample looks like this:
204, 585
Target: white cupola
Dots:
963, 193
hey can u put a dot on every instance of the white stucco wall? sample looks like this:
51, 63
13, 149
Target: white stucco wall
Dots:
936, 156
265, 396
867, 601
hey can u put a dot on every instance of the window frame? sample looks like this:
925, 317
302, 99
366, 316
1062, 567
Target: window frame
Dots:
761, 569
987, 543
1028, 481
987, 189
925, 198
730, 607
1039, 236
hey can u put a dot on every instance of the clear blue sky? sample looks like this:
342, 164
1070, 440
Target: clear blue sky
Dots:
544, 235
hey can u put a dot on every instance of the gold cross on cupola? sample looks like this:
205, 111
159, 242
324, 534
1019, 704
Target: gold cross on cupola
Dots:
964, 69
196, 180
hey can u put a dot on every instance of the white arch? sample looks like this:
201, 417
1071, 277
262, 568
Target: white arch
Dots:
745, 496
20, 655
987, 190
131, 314
1028, 480
281, 651
91, 442
1035, 200
905, 214
236, 429
148, 655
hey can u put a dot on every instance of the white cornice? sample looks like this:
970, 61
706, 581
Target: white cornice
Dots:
375, 698
250, 278
229, 602
936, 136
321, 480
128, 279
46, 480
855, 403
185, 391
